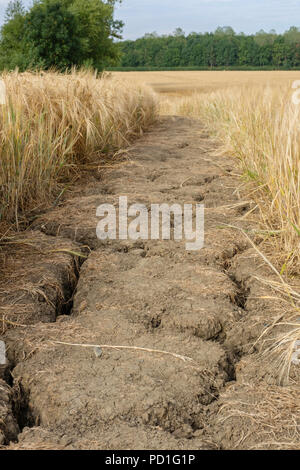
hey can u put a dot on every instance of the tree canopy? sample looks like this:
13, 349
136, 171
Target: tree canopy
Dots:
60, 34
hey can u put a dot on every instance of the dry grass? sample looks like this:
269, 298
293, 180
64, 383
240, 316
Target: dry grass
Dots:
253, 117
252, 114
261, 417
175, 83
53, 124
260, 126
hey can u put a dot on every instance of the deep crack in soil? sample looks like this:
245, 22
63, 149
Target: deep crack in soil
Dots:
146, 294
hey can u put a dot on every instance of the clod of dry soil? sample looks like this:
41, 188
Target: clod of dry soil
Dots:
149, 294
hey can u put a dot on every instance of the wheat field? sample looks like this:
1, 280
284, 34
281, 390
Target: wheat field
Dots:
260, 126
254, 118
53, 124
173, 83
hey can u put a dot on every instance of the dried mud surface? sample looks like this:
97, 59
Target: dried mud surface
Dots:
206, 305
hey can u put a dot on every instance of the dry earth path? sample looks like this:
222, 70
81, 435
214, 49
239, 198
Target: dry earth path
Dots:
145, 294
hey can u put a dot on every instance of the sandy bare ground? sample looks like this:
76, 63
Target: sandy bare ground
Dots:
206, 305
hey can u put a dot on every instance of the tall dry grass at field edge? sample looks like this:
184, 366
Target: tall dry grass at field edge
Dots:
52, 124
260, 125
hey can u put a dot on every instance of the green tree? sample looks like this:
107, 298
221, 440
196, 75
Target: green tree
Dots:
248, 51
12, 48
281, 52
178, 32
60, 33
224, 31
292, 36
97, 30
51, 36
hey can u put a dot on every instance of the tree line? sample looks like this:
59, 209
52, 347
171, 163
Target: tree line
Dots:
64, 33
60, 34
223, 48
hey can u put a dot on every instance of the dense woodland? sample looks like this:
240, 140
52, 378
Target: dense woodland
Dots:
223, 48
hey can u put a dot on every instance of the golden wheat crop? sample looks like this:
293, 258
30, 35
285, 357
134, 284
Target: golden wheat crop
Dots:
261, 126
253, 116
52, 124
185, 83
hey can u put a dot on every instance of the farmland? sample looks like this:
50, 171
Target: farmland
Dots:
138, 343
253, 116
186, 83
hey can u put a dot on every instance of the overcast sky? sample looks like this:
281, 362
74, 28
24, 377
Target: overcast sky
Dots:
163, 16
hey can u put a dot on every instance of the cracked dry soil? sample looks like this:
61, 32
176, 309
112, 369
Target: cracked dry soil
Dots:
148, 294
